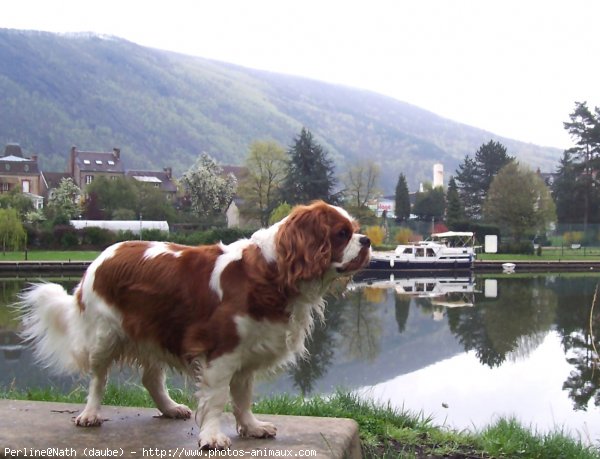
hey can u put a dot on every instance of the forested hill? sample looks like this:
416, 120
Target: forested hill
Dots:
164, 109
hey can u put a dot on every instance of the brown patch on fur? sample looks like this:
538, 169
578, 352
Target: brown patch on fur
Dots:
166, 298
79, 295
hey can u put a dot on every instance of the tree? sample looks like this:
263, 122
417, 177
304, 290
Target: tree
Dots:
261, 188
455, 211
430, 204
310, 172
360, 182
519, 202
12, 233
210, 191
567, 191
111, 196
474, 176
584, 129
66, 200
402, 200
15, 199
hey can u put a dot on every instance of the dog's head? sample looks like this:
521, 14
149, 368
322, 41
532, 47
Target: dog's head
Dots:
319, 239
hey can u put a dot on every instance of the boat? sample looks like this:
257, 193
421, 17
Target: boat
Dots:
444, 291
448, 251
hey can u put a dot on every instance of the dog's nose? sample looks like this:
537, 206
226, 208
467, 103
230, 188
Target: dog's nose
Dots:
365, 241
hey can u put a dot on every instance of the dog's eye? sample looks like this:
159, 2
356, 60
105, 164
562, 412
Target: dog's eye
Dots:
344, 234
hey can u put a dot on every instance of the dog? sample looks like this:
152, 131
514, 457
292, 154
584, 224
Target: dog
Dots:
220, 313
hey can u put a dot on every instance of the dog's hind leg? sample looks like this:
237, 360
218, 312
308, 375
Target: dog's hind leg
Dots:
154, 380
241, 395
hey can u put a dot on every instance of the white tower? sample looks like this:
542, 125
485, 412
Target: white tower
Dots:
438, 175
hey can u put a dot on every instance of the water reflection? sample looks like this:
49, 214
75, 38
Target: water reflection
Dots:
386, 332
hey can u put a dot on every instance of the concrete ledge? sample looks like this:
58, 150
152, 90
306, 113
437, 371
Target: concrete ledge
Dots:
30, 427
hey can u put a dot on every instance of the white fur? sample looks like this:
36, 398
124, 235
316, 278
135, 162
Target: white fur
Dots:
231, 253
160, 248
265, 240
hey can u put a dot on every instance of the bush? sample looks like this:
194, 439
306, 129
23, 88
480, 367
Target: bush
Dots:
403, 235
521, 247
376, 234
573, 237
97, 237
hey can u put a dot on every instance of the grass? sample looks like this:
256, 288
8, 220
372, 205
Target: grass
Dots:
548, 254
51, 255
385, 432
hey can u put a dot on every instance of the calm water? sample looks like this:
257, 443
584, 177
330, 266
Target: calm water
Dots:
461, 350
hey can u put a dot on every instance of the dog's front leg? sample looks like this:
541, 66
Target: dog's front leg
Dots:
241, 395
213, 380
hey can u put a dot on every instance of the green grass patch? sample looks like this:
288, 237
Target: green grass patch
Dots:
51, 255
385, 432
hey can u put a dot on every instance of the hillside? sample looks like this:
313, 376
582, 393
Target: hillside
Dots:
163, 109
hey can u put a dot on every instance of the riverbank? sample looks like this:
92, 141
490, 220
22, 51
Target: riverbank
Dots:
75, 263
384, 432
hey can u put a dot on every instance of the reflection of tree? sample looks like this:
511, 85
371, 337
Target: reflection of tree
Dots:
8, 295
573, 322
320, 347
360, 327
509, 324
402, 311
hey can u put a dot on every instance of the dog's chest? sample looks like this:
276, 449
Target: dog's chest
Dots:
265, 343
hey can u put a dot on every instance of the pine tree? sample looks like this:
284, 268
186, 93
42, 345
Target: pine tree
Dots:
584, 129
310, 172
474, 176
455, 211
402, 200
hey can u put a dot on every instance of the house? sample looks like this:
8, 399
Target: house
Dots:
162, 180
85, 166
21, 173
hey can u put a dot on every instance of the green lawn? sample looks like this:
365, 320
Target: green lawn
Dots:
548, 253
51, 255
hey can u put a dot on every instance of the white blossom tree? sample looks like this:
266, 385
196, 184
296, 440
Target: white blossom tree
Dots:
210, 190
66, 199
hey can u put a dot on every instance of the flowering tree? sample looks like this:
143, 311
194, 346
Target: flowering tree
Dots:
210, 190
65, 200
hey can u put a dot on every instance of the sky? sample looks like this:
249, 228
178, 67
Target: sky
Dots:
512, 67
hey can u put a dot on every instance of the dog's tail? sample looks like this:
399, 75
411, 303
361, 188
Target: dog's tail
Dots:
52, 323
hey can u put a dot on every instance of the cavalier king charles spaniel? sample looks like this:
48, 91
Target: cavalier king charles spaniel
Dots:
219, 313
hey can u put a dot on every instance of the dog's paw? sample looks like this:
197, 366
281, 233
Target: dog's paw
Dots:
214, 441
177, 412
258, 430
86, 419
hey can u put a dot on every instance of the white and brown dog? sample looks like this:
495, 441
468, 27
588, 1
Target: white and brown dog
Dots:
219, 313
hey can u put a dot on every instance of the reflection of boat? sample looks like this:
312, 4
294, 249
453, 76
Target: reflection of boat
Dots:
443, 291
508, 267
448, 251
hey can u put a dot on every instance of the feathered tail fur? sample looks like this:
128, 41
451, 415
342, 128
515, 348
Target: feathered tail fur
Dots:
52, 323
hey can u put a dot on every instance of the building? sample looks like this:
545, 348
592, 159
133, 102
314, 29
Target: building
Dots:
20, 173
85, 166
163, 180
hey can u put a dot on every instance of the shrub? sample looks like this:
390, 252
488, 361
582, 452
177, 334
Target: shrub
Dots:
97, 237
573, 237
521, 247
376, 234
403, 235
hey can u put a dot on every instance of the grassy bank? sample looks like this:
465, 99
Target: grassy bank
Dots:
50, 255
385, 432
548, 254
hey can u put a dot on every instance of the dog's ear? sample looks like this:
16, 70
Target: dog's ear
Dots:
303, 245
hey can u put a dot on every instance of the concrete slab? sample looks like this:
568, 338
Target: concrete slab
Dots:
31, 428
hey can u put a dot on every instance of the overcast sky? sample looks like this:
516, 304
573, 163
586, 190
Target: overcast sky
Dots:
513, 67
